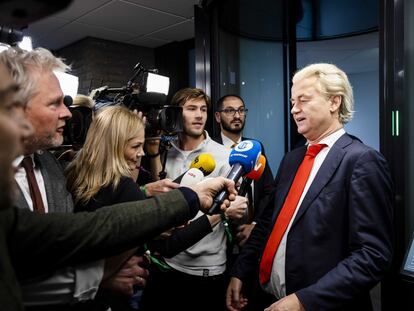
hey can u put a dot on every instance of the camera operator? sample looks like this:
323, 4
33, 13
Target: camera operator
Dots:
202, 265
52, 241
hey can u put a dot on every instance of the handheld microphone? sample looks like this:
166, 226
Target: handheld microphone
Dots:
191, 177
203, 162
242, 159
254, 174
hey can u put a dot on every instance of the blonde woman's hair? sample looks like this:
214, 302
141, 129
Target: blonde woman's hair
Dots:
81, 100
332, 81
101, 161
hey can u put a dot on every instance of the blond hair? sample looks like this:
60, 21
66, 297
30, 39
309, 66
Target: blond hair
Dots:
25, 68
81, 100
101, 161
332, 81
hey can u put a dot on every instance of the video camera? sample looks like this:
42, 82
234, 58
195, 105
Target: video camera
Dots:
146, 91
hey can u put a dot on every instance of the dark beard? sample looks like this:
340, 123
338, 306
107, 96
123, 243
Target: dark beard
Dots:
232, 130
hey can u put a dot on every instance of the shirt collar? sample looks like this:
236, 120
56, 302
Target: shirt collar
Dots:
331, 139
227, 142
16, 163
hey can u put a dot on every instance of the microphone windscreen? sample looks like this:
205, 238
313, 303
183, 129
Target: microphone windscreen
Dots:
204, 162
246, 153
191, 177
258, 169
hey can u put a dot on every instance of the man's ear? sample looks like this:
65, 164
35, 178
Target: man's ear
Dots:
336, 102
218, 117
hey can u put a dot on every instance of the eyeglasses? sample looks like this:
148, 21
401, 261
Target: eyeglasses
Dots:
232, 111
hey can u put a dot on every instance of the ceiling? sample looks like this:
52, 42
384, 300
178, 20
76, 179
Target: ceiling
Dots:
147, 23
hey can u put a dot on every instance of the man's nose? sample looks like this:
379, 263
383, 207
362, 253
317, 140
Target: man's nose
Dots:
294, 109
65, 112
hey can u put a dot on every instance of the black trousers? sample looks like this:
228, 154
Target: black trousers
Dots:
174, 290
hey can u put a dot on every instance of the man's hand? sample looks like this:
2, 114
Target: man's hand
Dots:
234, 298
237, 208
132, 272
288, 303
208, 188
160, 186
243, 233
152, 145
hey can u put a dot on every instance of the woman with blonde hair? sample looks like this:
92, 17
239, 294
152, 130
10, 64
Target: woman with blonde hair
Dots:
103, 170
104, 173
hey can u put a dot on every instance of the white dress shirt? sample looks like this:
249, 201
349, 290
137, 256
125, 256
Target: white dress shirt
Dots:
227, 142
277, 283
68, 285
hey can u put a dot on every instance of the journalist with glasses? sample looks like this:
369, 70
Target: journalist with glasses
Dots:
231, 115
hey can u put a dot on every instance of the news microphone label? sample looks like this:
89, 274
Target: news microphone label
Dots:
244, 146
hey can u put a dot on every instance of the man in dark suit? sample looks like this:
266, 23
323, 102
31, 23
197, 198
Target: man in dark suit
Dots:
329, 239
231, 114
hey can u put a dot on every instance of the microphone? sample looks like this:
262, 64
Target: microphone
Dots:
191, 177
242, 159
203, 162
254, 174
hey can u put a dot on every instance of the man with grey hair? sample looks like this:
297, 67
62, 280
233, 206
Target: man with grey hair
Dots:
328, 239
42, 185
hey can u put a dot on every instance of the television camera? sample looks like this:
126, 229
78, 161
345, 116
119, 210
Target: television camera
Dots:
145, 91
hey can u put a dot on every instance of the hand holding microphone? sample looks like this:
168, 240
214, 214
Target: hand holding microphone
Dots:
242, 159
208, 188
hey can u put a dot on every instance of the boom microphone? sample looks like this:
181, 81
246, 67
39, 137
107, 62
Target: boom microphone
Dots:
203, 162
254, 174
242, 159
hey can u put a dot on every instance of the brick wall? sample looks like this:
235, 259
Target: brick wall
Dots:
100, 62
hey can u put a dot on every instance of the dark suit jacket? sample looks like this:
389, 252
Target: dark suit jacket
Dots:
59, 199
263, 187
51, 241
340, 243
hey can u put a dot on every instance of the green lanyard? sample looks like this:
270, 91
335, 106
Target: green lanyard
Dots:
159, 263
164, 267
227, 228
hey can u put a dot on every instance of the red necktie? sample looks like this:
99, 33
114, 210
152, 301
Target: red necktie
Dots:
287, 212
38, 206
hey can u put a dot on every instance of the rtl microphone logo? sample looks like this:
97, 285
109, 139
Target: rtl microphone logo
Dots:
244, 146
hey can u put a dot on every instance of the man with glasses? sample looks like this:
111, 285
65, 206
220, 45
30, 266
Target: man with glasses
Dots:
231, 115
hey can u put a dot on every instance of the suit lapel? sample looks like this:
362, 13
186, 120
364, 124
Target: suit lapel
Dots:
325, 173
47, 181
20, 200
